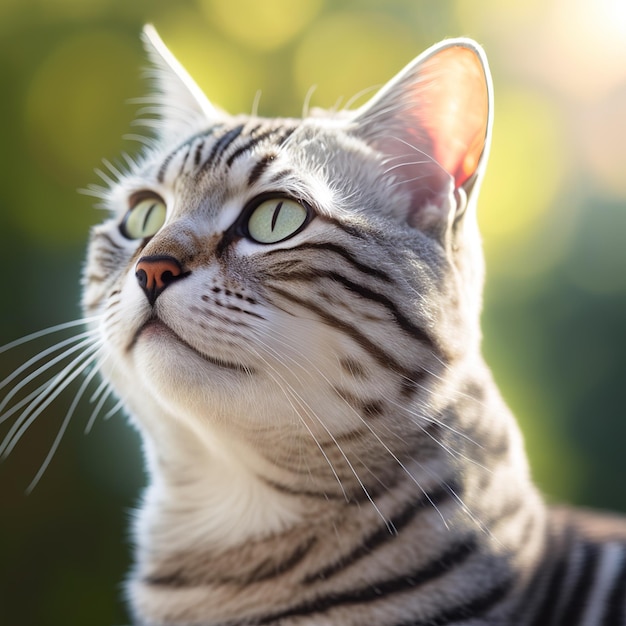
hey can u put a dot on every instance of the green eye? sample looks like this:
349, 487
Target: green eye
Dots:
144, 219
276, 219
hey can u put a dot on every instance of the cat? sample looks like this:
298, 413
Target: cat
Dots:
288, 310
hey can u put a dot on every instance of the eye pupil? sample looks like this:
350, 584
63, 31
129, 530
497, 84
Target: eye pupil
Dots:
145, 217
279, 206
275, 219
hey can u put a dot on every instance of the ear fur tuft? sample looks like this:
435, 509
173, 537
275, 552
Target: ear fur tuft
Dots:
432, 122
180, 102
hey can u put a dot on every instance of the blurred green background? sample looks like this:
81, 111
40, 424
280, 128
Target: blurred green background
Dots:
553, 216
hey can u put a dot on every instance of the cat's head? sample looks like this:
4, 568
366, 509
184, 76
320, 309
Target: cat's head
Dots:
302, 273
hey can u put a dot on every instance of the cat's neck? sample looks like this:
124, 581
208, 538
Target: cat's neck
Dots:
205, 489
219, 491
211, 517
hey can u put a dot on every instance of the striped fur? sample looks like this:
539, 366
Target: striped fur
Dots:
325, 443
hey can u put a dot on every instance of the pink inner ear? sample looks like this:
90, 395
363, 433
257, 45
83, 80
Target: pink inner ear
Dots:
452, 104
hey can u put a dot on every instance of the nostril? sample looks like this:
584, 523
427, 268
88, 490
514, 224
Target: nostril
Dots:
155, 273
167, 277
142, 278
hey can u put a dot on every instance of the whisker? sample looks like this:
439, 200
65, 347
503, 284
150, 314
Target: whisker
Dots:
104, 391
22, 403
458, 392
333, 439
302, 404
47, 331
417, 150
365, 423
96, 394
404, 164
360, 94
432, 420
63, 428
58, 384
441, 444
483, 527
255, 103
41, 355
39, 371
118, 405
306, 105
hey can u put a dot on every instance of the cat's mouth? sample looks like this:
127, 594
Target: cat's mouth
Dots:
157, 327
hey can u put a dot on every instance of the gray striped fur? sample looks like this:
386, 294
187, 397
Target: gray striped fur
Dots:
325, 443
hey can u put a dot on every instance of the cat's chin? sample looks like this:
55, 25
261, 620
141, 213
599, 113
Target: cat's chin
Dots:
154, 333
154, 327
158, 332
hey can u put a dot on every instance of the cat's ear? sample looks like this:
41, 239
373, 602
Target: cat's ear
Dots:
180, 103
432, 123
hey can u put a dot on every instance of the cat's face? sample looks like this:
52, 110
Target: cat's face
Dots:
293, 276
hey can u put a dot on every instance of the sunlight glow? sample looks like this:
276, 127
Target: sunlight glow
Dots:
228, 76
361, 37
265, 25
584, 46
526, 167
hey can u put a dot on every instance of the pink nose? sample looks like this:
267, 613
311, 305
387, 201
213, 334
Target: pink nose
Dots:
155, 273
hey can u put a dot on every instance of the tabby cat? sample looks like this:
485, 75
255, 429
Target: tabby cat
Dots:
289, 312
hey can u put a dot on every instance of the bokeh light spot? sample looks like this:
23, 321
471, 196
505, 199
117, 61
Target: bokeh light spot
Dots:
75, 105
346, 53
228, 76
75, 114
264, 25
526, 166
584, 50
472, 16
604, 141
73, 9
